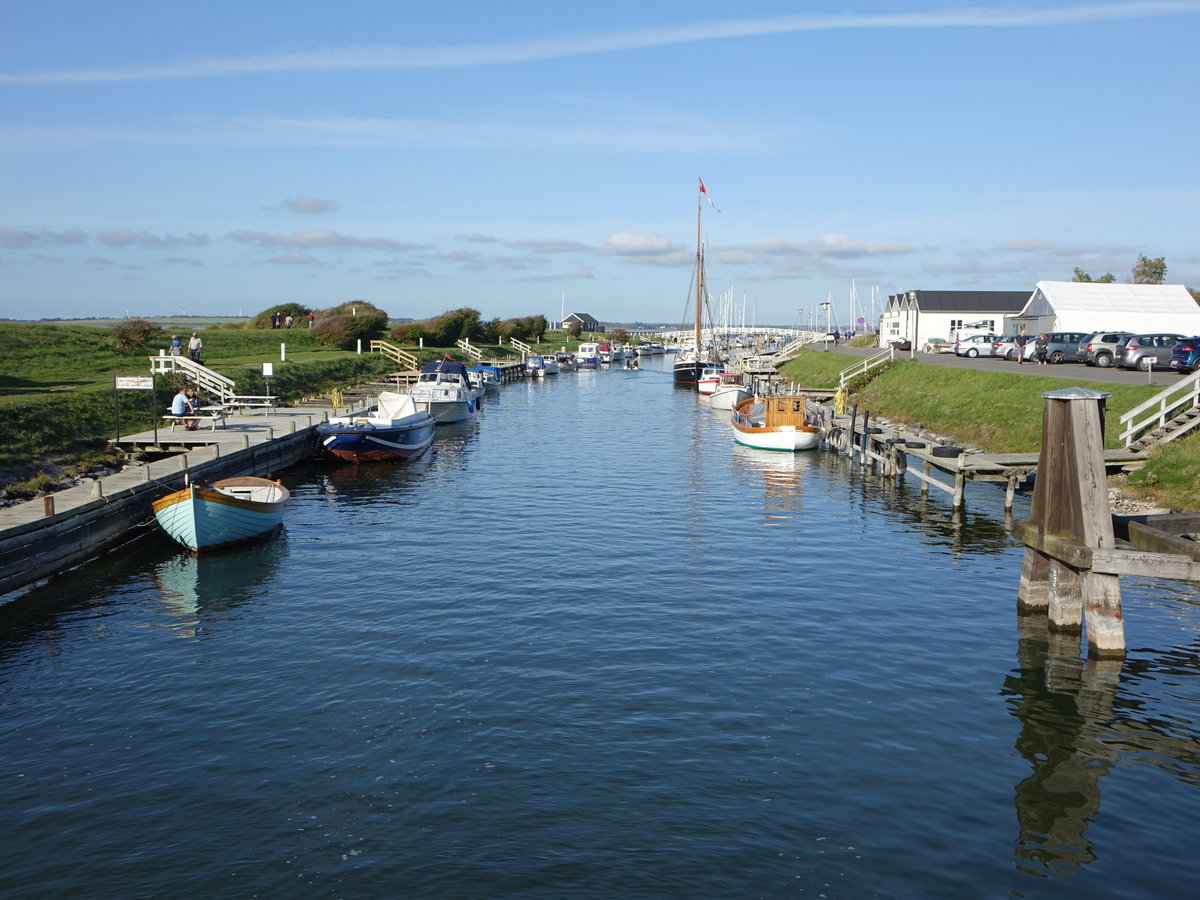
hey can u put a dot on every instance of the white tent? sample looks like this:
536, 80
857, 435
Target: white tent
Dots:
1088, 306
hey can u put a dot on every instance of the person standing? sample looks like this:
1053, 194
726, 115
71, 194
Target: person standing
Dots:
288, 322
1021, 340
1039, 349
176, 345
310, 320
194, 345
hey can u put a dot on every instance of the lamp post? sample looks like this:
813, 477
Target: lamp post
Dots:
825, 309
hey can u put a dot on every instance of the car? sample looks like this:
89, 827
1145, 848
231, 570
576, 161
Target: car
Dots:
1006, 347
1063, 346
1141, 351
1185, 356
975, 345
1098, 348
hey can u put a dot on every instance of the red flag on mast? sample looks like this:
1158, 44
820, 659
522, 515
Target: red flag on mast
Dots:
707, 195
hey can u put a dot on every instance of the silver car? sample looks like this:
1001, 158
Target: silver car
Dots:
1099, 348
1141, 351
975, 345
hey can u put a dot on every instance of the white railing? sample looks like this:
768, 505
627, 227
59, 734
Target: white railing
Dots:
1160, 408
465, 346
861, 368
523, 347
394, 353
216, 385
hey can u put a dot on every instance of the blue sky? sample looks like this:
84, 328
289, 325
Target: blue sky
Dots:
223, 157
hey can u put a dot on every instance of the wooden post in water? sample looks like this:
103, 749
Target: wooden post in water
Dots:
1070, 506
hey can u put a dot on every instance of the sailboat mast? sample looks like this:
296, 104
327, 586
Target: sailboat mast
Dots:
699, 276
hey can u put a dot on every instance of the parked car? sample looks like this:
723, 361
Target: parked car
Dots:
1185, 356
1006, 347
1063, 346
1140, 351
975, 345
1098, 348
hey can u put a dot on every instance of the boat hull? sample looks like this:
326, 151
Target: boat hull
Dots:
774, 423
368, 443
688, 372
229, 512
727, 396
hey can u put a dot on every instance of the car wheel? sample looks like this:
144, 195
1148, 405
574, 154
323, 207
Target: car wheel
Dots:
972, 353
1010, 355
1104, 360
1143, 364
1056, 357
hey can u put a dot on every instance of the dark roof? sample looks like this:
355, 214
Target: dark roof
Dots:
582, 316
972, 301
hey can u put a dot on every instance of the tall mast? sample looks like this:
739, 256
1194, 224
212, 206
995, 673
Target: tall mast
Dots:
699, 275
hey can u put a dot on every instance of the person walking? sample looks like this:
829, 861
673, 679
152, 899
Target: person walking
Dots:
176, 345
194, 345
1021, 340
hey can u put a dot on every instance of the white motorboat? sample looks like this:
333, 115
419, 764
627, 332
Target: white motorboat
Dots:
444, 390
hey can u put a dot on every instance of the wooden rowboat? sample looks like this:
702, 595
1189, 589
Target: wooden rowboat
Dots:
774, 423
203, 517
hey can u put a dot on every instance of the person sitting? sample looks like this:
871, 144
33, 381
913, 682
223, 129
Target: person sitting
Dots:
193, 406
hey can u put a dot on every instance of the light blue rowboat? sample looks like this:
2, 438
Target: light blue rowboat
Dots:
203, 517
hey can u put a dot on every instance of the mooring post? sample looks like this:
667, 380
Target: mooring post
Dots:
1070, 506
925, 481
853, 422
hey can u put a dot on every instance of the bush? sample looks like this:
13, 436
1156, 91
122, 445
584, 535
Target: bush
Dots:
343, 326
134, 336
298, 312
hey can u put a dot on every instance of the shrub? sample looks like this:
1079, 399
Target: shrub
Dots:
133, 336
342, 326
298, 312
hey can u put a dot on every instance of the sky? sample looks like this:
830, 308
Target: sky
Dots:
220, 158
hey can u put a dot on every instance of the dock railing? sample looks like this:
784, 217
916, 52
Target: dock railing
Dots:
871, 362
520, 345
474, 352
1160, 411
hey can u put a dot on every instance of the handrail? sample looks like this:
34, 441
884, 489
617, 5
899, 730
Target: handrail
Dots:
866, 365
464, 344
394, 353
204, 378
1163, 407
523, 347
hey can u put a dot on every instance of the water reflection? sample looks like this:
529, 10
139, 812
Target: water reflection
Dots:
781, 475
190, 587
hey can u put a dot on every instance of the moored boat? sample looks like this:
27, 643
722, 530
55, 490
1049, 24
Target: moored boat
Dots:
710, 377
490, 376
395, 429
587, 356
444, 390
566, 361
729, 391
204, 517
774, 423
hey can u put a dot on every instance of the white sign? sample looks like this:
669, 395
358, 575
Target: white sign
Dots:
268, 370
135, 382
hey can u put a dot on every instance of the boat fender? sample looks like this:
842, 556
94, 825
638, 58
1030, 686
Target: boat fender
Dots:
947, 451
901, 461
916, 445
874, 429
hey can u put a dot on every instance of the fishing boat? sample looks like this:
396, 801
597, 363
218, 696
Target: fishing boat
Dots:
709, 379
395, 429
690, 361
444, 390
729, 391
774, 423
204, 517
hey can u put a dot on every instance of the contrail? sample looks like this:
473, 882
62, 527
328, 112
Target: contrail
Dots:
451, 56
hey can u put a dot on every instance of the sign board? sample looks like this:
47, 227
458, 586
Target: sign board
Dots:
135, 382
268, 370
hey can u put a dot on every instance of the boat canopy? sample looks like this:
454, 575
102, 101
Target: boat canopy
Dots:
395, 406
445, 366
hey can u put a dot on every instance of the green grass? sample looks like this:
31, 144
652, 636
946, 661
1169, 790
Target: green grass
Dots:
1002, 413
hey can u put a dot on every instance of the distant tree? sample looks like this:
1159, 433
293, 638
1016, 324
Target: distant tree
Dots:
132, 336
574, 329
619, 334
1195, 292
1106, 278
1148, 271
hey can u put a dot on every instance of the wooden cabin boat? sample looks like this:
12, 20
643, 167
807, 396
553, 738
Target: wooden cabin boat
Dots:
774, 423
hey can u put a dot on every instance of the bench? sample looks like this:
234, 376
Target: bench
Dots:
212, 419
266, 403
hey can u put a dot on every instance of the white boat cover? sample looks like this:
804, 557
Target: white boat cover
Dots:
395, 406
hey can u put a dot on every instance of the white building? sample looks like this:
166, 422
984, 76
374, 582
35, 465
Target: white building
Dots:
917, 316
1090, 306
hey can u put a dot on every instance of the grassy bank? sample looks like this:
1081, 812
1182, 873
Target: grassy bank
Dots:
1002, 413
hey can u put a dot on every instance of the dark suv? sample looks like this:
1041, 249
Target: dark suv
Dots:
1186, 355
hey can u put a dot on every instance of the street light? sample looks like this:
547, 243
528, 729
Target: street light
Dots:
825, 308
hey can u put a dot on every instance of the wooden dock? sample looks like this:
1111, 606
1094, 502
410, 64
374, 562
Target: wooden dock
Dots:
51, 534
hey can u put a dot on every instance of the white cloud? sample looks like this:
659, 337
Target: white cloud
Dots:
392, 57
309, 205
320, 237
145, 239
18, 238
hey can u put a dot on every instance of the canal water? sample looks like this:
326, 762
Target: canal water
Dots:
589, 647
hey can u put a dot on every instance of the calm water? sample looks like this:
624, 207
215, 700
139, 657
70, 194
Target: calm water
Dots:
589, 647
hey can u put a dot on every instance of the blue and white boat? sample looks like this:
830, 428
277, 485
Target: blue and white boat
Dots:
204, 517
587, 356
444, 390
395, 429
490, 376
538, 366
